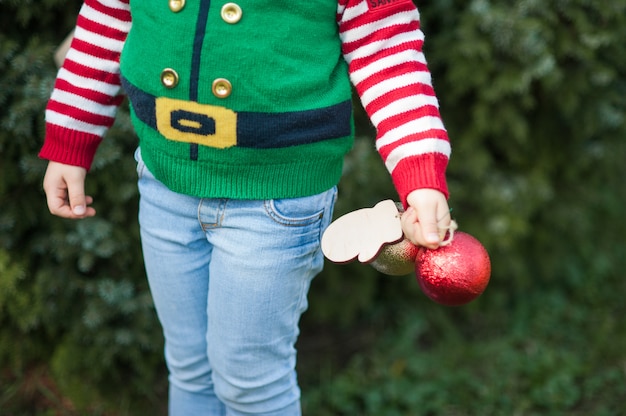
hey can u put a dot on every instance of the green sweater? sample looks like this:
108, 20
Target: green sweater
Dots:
253, 102
255, 107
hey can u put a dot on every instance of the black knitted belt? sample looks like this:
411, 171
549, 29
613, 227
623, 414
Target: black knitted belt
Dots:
220, 127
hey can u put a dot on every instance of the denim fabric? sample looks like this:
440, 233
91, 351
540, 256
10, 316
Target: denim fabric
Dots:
229, 279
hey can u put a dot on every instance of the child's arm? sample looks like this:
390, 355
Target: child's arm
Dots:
382, 43
83, 104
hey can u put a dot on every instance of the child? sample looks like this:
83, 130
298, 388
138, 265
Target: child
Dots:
243, 112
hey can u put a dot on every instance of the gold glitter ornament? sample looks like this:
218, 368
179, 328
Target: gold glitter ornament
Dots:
396, 259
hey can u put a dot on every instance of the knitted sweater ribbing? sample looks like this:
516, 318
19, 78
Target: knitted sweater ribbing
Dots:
381, 43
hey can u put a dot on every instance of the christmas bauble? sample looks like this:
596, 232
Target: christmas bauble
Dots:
396, 259
454, 274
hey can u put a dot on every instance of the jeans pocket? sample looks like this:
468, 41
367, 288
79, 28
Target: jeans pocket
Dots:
304, 211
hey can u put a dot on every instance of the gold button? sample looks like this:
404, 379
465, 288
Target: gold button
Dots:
231, 13
177, 5
222, 88
169, 78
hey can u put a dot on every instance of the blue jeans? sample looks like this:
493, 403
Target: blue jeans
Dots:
229, 279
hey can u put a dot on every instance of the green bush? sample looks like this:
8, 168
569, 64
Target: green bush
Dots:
74, 300
533, 97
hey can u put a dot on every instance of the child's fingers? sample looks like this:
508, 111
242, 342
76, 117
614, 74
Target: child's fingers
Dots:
57, 202
414, 229
429, 228
64, 187
427, 219
76, 194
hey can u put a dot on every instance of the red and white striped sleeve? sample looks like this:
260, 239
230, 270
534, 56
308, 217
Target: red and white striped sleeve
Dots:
85, 98
382, 44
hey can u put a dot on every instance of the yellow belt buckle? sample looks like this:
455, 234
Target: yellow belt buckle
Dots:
191, 122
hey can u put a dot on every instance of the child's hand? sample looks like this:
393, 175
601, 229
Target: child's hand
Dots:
65, 191
427, 218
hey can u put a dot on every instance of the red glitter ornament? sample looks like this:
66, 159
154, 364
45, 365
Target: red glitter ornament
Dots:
454, 274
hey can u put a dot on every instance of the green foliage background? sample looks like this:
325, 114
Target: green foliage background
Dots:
534, 96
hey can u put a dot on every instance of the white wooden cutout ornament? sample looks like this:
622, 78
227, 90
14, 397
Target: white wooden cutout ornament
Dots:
361, 234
